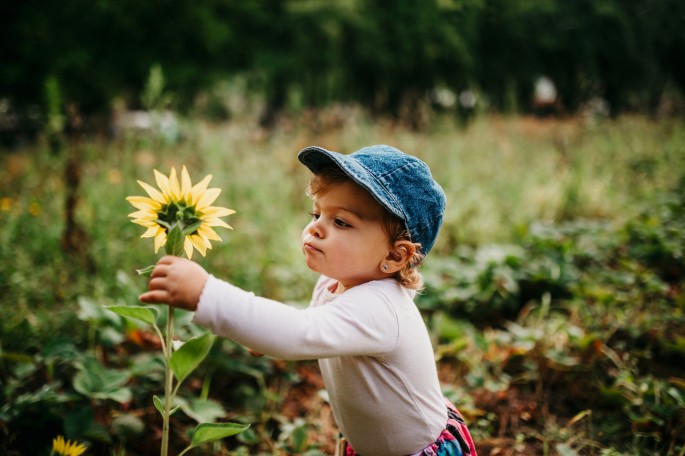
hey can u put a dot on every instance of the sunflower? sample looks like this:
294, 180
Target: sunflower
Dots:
66, 447
179, 205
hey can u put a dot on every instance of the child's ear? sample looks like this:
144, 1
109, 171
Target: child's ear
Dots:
399, 256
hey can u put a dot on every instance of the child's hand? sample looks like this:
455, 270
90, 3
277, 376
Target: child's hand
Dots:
177, 282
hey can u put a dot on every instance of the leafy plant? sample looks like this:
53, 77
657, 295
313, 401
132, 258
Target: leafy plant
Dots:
657, 236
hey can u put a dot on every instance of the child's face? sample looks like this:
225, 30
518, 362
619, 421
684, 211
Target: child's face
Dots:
345, 239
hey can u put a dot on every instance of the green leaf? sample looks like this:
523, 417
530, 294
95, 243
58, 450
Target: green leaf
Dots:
174, 240
89, 310
190, 355
127, 426
121, 395
203, 410
143, 313
97, 382
299, 439
159, 405
146, 271
209, 432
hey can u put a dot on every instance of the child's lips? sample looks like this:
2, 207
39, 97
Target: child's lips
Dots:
308, 247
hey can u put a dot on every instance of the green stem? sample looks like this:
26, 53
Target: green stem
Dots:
161, 340
168, 381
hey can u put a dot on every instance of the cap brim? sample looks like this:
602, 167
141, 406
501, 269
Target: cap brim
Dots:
317, 158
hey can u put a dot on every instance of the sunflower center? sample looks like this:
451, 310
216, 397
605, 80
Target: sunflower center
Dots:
178, 211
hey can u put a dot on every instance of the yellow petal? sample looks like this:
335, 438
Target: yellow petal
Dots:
144, 203
215, 211
208, 233
58, 444
153, 192
152, 231
67, 447
199, 244
204, 239
217, 222
146, 215
208, 198
145, 223
188, 247
163, 184
186, 185
198, 190
174, 187
160, 240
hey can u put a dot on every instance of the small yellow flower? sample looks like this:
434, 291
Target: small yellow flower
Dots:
67, 448
182, 203
5, 204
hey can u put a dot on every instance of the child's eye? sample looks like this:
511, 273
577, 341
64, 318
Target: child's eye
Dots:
314, 215
341, 223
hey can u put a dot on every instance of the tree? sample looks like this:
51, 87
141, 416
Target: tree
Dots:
395, 52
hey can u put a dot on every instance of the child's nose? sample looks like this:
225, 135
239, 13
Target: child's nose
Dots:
315, 229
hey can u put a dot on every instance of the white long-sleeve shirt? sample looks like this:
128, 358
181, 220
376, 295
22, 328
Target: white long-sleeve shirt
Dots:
373, 348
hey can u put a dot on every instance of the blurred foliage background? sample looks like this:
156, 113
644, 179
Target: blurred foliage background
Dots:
390, 57
555, 292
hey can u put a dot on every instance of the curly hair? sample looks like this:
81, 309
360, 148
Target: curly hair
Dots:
394, 227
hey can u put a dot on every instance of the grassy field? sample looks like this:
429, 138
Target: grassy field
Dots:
503, 176
500, 175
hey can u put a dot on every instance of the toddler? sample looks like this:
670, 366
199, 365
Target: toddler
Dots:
376, 214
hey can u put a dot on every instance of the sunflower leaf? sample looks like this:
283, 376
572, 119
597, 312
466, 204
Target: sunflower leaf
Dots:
142, 313
209, 432
184, 360
146, 271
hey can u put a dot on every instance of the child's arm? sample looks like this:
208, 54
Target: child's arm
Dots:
177, 282
354, 325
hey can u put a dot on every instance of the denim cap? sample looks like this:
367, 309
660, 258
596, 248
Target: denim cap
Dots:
402, 183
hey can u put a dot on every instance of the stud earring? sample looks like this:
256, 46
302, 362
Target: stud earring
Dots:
385, 268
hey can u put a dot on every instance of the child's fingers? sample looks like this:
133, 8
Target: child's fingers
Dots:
155, 297
159, 271
167, 259
162, 266
175, 281
157, 288
157, 282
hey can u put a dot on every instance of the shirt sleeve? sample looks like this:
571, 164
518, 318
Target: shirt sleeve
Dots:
362, 321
